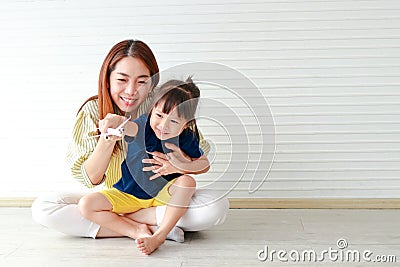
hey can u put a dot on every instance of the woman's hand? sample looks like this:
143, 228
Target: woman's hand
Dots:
164, 164
110, 121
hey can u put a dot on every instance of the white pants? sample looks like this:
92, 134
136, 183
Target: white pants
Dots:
59, 211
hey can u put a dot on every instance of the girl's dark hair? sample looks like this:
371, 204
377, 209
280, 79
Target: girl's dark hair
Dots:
184, 95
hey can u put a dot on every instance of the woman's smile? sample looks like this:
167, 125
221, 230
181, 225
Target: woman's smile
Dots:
128, 101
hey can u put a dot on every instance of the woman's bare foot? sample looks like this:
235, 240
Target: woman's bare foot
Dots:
147, 245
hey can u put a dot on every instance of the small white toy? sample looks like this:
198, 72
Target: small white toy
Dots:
119, 131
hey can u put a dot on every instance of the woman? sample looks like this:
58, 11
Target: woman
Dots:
127, 77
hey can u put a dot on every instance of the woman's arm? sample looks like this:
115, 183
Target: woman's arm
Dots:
88, 157
193, 166
97, 163
81, 145
182, 163
175, 162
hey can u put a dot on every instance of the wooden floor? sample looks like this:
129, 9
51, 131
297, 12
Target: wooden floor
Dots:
236, 243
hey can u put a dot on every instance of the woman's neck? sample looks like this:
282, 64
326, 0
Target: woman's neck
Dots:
133, 114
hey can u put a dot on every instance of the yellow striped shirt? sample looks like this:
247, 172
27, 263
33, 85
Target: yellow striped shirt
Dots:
81, 147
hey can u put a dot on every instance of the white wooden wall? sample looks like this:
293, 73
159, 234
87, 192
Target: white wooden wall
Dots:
328, 69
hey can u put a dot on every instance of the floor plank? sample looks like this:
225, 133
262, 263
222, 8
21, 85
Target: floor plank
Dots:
235, 243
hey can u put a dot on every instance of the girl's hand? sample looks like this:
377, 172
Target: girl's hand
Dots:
110, 121
164, 164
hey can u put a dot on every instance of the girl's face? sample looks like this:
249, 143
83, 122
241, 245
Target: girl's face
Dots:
166, 126
130, 84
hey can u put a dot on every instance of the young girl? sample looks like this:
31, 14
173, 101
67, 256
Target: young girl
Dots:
171, 121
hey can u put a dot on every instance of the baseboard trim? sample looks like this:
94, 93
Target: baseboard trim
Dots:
16, 202
274, 203
314, 203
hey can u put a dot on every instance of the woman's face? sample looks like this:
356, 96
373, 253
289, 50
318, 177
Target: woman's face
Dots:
130, 83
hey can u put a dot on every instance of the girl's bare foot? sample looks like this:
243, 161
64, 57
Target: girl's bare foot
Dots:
176, 234
142, 231
147, 245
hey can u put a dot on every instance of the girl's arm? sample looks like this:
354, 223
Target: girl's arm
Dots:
131, 128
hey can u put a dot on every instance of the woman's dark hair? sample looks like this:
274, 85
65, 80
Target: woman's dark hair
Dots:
126, 48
